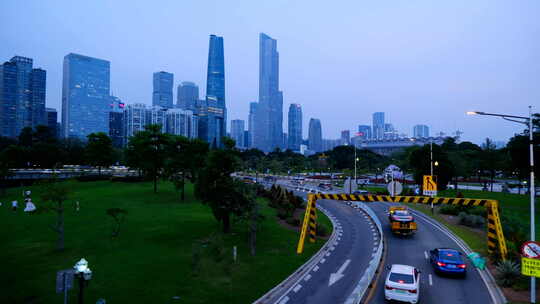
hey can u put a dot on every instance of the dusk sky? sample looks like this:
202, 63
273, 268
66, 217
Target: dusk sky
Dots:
419, 61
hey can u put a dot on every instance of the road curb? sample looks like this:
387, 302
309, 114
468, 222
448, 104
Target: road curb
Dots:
279, 292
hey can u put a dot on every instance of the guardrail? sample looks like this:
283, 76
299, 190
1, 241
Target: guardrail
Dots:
361, 288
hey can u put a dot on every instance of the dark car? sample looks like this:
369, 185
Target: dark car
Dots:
448, 261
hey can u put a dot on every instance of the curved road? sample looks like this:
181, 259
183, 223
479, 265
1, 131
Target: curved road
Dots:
346, 263
413, 251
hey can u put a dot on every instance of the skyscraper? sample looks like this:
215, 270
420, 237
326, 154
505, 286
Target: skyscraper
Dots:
252, 122
214, 112
269, 128
188, 96
237, 132
420, 131
345, 137
22, 96
378, 125
85, 96
364, 132
315, 135
162, 94
52, 120
295, 127
181, 122
116, 121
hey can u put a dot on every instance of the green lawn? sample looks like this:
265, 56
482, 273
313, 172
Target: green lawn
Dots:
165, 249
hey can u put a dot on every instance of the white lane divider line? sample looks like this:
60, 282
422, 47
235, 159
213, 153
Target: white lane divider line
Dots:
315, 268
297, 288
322, 261
426, 255
332, 248
328, 254
430, 280
307, 277
284, 300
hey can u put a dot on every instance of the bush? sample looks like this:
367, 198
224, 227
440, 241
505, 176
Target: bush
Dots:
451, 209
92, 178
127, 179
470, 220
508, 272
322, 229
293, 221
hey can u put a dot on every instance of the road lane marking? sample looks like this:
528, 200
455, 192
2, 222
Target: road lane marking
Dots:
430, 280
328, 254
315, 268
297, 288
284, 300
322, 261
307, 277
334, 277
426, 255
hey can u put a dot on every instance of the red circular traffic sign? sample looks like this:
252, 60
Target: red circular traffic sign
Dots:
531, 250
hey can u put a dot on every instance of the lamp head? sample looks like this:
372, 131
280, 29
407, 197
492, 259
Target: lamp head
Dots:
81, 266
471, 113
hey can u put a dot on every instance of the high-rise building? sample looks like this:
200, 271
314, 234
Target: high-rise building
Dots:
52, 120
364, 132
188, 96
85, 96
295, 127
246, 139
213, 111
116, 121
389, 131
134, 119
252, 122
162, 94
269, 127
420, 131
22, 96
345, 137
181, 122
237, 132
378, 125
315, 135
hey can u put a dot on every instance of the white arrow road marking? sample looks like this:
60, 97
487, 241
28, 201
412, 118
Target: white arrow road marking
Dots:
430, 280
426, 255
334, 277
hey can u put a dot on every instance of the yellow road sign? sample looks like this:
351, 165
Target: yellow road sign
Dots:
530, 267
429, 185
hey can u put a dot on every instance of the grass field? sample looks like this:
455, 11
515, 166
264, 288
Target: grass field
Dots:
165, 249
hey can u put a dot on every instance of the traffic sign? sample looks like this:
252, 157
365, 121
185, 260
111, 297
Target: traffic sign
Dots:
530, 267
394, 188
429, 185
531, 250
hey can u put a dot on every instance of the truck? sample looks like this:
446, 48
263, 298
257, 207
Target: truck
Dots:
401, 221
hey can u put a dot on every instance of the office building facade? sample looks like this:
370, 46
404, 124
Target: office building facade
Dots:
295, 127
421, 131
364, 132
237, 132
345, 137
85, 96
269, 127
116, 121
162, 94
181, 122
52, 121
378, 125
22, 96
188, 96
315, 135
252, 122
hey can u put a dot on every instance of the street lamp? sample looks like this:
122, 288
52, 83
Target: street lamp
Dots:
528, 121
84, 274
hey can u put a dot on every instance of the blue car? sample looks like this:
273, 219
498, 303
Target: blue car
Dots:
447, 261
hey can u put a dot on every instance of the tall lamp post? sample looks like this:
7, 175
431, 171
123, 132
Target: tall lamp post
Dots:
84, 274
528, 121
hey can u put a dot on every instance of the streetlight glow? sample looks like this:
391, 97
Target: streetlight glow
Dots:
471, 113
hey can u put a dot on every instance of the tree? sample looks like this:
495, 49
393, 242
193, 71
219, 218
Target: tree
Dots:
56, 193
147, 151
216, 188
178, 161
118, 215
419, 161
99, 150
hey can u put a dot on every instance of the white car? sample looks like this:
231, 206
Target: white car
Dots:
402, 284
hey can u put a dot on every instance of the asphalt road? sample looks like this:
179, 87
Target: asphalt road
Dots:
413, 251
355, 243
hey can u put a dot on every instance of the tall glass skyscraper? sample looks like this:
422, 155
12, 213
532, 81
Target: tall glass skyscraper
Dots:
420, 131
22, 96
214, 113
295, 127
85, 96
378, 125
237, 132
162, 94
252, 122
364, 132
188, 96
269, 127
315, 135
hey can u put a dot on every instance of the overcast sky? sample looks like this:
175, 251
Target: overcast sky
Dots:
419, 61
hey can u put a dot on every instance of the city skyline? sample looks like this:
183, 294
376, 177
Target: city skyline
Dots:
428, 81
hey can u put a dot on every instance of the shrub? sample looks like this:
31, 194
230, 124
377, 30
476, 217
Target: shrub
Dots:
322, 229
127, 179
92, 178
293, 221
508, 272
451, 209
470, 220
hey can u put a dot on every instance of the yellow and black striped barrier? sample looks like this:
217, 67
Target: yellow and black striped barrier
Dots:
495, 236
